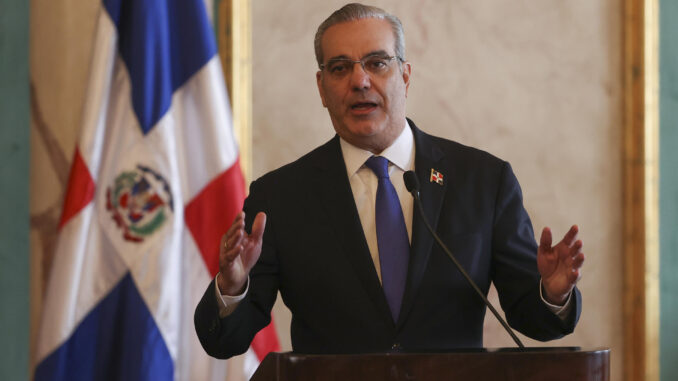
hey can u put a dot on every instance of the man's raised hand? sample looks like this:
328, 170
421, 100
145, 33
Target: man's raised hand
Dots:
238, 252
559, 265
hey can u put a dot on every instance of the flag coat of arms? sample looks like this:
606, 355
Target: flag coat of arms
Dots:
155, 181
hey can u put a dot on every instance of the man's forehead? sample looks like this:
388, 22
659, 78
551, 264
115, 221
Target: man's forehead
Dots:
358, 38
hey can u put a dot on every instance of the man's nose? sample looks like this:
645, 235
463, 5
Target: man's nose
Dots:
360, 79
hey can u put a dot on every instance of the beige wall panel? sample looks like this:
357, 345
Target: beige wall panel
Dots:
537, 83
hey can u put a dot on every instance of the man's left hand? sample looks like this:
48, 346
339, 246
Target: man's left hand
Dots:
559, 265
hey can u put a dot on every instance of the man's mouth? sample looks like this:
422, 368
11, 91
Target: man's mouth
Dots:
363, 106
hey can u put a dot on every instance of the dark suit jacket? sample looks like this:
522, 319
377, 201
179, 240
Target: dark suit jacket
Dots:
315, 254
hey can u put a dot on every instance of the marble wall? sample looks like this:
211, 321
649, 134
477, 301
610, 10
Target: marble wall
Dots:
537, 83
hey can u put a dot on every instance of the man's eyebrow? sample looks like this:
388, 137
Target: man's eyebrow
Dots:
372, 53
341, 57
376, 53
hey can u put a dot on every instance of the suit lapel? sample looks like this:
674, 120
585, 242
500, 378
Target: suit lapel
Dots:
336, 197
427, 156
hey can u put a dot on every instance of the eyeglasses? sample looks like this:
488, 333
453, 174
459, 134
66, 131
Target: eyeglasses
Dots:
376, 64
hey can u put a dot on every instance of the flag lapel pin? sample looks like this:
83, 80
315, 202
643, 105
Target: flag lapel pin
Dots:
436, 177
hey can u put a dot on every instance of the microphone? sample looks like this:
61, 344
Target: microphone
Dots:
412, 185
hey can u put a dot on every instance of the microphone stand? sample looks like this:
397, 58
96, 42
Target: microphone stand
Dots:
412, 184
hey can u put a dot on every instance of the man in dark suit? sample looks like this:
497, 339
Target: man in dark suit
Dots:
335, 231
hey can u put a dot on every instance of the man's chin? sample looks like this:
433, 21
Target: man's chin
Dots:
366, 130
371, 138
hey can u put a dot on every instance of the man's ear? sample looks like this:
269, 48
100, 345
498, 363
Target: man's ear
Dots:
319, 80
407, 70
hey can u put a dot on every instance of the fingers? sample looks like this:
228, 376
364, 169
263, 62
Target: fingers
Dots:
238, 224
258, 227
571, 236
222, 248
236, 240
576, 263
574, 277
575, 248
545, 240
231, 242
230, 253
578, 260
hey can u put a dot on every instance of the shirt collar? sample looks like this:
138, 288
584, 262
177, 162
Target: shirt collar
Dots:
400, 152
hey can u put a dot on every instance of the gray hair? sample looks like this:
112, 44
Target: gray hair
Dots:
354, 12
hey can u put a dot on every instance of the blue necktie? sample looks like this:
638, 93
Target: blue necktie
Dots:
394, 246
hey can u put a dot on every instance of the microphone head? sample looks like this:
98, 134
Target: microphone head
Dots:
411, 181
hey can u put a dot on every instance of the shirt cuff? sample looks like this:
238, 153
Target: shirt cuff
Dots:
226, 303
561, 311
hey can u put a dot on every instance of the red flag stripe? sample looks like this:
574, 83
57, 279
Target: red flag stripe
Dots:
80, 191
208, 216
265, 341
212, 211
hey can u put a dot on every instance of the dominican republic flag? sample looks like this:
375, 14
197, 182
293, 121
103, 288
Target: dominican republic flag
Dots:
155, 182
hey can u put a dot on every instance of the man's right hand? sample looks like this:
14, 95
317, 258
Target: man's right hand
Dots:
238, 253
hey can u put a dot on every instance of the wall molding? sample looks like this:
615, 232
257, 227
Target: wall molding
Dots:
234, 38
640, 190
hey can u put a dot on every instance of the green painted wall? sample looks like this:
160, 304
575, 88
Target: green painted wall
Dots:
14, 183
668, 188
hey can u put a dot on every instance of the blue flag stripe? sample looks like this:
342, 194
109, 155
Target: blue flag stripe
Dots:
163, 43
117, 340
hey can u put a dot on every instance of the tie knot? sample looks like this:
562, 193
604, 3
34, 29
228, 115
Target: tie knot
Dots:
378, 165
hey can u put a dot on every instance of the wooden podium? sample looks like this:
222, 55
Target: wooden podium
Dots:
553, 364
